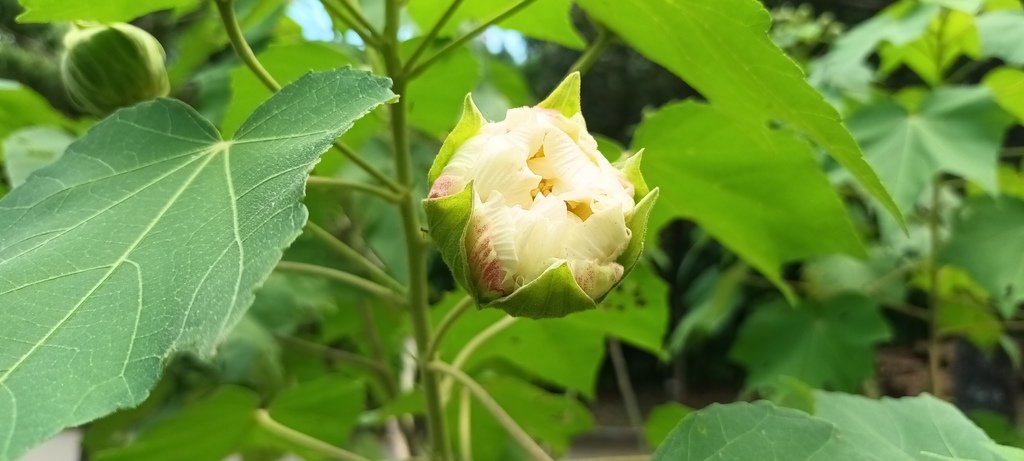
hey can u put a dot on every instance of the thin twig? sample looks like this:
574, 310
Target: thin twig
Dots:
446, 323
384, 179
322, 181
934, 339
366, 30
629, 399
454, 44
305, 440
503, 418
465, 426
467, 350
353, 280
367, 36
432, 34
353, 256
593, 51
242, 49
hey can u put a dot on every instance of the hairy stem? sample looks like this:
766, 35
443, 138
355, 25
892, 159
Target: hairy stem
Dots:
415, 246
503, 418
305, 440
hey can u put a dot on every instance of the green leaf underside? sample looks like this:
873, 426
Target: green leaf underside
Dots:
844, 428
755, 432
910, 428
759, 192
723, 50
954, 130
148, 237
988, 241
105, 11
829, 344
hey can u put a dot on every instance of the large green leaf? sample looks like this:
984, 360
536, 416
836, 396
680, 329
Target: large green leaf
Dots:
843, 428
723, 50
828, 344
756, 432
105, 11
545, 20
1007, 85
952, 130
914, 428
759, 192
148, 237
988, 241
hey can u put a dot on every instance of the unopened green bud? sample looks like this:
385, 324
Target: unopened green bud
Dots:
106, 67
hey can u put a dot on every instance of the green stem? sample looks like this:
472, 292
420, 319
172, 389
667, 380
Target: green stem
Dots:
593, 51
411, 72
242, 49
353, 280
432, 34
354, 156
629, 399
419, 308
352, 185
304, 440
446, 323
934, 339
353, 256
467, 350
494, 407
357, 23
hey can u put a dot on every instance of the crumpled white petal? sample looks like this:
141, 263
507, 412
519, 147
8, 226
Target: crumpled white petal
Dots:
543, 196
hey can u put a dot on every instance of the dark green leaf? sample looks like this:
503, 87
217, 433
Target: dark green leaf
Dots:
988, 241
827, 344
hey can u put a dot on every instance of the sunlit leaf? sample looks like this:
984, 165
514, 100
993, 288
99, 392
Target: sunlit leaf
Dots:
105, 11
759, 192
722, 49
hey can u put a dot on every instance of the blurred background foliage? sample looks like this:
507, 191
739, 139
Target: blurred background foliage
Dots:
789, 280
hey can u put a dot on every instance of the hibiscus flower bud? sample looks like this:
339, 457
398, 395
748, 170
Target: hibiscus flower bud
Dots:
529, 215
106, 67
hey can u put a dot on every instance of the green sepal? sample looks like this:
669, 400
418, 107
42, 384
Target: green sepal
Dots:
554, 294
631, 168
636, 221
448, 220
565, 98
469, 125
